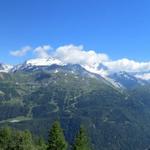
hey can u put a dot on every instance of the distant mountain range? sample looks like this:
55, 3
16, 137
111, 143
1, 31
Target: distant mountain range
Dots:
120, 79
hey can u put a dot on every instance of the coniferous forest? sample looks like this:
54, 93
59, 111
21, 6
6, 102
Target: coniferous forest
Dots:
13, 139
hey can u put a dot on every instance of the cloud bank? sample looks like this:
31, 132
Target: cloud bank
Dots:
90, 59
22, 52
128, 65
42, 51
77, 55
145, 76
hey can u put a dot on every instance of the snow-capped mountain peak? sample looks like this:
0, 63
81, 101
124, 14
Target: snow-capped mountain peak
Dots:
127, 80
118, 79
43, 62
99, 69
5, 67
37, 62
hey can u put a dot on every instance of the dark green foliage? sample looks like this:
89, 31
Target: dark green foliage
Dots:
11, 139
56, 140
81, 141
11, 111
40, 144
5, 138
43, 111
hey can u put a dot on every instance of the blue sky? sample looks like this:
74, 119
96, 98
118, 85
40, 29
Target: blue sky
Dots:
119, 28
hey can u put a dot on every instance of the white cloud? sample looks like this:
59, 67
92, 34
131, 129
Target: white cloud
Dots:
21, 52
90, 59
77, 55
127, 65
42, 51
145, 76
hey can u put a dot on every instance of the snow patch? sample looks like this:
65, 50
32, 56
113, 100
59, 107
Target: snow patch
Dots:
43, 62
144, 76
5, 68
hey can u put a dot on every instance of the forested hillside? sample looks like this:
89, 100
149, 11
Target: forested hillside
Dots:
115, 118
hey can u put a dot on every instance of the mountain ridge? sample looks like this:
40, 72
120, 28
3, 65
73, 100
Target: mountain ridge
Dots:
112, 77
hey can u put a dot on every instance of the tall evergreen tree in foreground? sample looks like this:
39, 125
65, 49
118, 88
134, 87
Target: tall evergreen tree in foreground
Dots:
81, 141
56, 139
11, 139
5, 138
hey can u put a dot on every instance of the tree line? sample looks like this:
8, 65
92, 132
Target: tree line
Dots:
12, 139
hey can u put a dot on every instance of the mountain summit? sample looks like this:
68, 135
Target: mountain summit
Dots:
117, 79
5, 67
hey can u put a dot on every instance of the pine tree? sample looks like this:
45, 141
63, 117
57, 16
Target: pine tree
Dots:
56, 139
5, 138
22, 141
81, 141
40, 144
11, 139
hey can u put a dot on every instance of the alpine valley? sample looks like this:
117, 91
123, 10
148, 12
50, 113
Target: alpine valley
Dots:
114, 107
